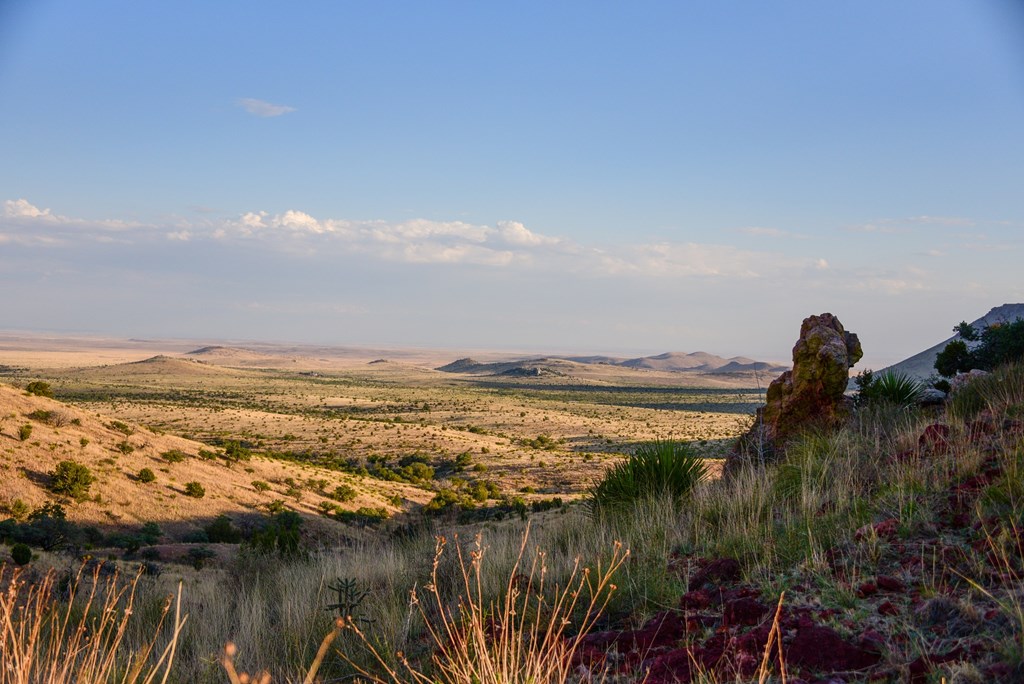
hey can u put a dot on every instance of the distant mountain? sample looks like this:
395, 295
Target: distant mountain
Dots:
695, 362
922, 364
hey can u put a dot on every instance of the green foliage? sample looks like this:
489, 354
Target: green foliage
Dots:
199, 556
998, 344
235, 451
24, 432
21, 554
124, 428
892, 387
174, 456
343, 493
146, 475
71, 479
125, 447
662, 468
260, 486
545, 442
42, 416
39, 388
281, 534
349, 598
364, 515
222, 531
276, 506
195, 490
18, 510
150, 533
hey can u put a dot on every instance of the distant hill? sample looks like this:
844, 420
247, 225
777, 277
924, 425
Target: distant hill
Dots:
699, 362
922, 364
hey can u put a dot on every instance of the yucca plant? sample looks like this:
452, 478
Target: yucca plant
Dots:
655, 469
893, 387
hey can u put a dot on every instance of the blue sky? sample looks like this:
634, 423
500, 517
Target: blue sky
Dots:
557, 176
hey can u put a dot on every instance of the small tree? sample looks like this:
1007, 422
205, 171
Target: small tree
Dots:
21, 554
39, 388
24, 432
146, 475
71, 479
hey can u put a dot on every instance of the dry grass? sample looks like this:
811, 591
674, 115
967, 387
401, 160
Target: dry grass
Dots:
82, 638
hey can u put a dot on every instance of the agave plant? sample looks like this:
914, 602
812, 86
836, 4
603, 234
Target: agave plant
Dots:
662, 468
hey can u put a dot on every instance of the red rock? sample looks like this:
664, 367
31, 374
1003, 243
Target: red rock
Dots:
695, 600
887, 583
822, 649
883, 530
743, 611
887, 608
720, 570
923, 665
872, 641
867, 589
935, 439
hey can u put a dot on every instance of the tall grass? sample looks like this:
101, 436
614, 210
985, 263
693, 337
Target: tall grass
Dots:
81, 638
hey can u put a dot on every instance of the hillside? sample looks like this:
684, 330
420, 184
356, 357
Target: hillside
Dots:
669, 362
922, 364
115, 451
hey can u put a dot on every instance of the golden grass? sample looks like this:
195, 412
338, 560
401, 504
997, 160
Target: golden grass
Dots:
80, 639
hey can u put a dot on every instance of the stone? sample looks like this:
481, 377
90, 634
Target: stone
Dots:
811, 394
717, 571
931, 396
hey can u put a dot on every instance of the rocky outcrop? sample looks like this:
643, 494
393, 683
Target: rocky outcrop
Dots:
810, 394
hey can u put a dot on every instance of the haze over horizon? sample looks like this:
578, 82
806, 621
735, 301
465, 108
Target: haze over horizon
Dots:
560, 177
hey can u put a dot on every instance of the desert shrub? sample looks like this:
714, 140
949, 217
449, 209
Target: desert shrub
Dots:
18, 510
39, 388
21, 554
146, 475
24, 432
653, 470
42, 415
124, 428
199, 556
276, 506
71, 479
236, 451
150, 533
343, 493
174, 456
364, 515
125, 447
892, 387
260, 486
195, 490
83, 442
222, 531
280, 534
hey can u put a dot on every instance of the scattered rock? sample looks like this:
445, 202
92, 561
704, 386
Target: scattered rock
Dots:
931, 397
822, 649
717, 571
743, 611
892, 584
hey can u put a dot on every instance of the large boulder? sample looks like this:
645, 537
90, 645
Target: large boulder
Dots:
811, 394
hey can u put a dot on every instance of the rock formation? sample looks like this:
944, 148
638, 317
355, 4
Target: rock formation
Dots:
810, 394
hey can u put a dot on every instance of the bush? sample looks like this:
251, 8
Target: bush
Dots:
147, 475
280, 534
260, 486
222, 531
21, 554
998, 344
343, 493
124, 428
174, 456
71, 479
662, 468
195, 490
39, 388
24, 432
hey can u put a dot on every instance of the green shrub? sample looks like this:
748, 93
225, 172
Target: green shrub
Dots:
39, 388
24, 432
71, 479
997, 345
42, 416
150, 533
124, 428
195, 490
21, 554
221, 530
198, 556
343, 493
125, 447
663, 468
146, 475
282, 534
174, 456
18, 510
260, 486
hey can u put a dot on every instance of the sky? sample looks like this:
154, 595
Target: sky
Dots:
562, 177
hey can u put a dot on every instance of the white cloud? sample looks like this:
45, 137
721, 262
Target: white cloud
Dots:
262, 108
21, 208
821, 264
515, 233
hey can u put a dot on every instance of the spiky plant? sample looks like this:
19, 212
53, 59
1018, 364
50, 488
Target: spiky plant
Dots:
655, 469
